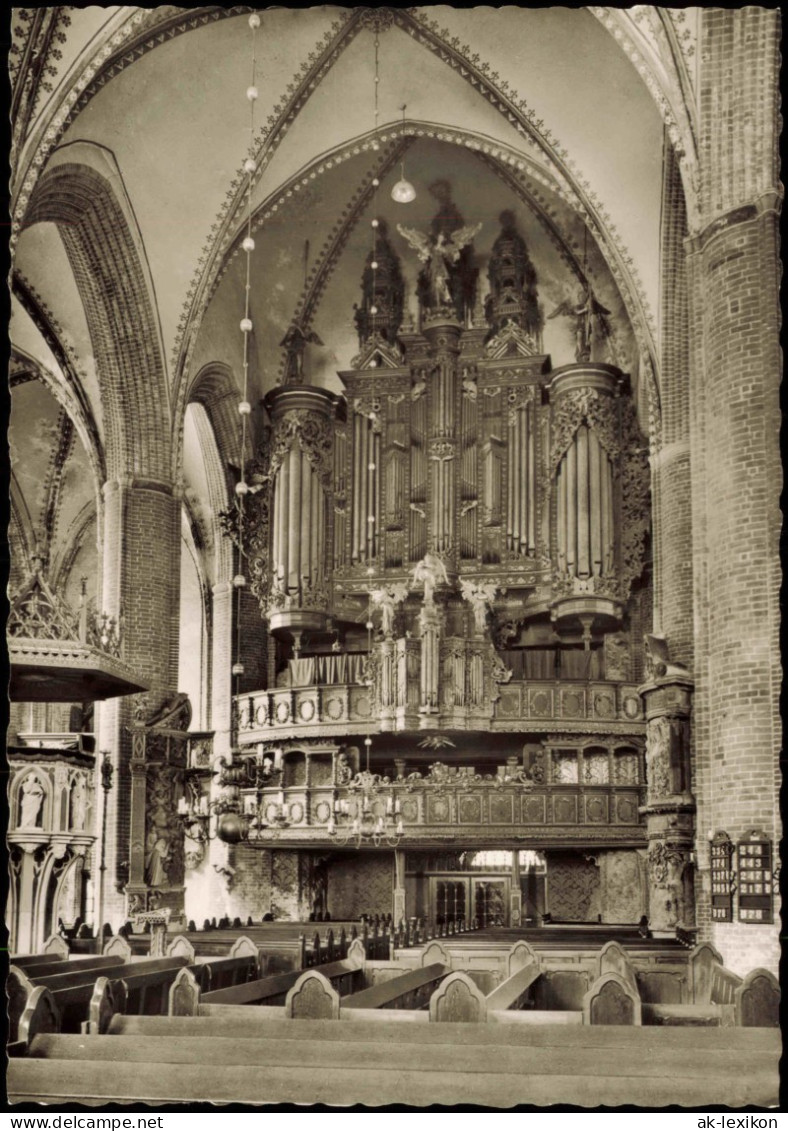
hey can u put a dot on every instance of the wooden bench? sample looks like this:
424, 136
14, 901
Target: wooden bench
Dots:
37, 970
344, 975
516, 991
411, 990
71, 993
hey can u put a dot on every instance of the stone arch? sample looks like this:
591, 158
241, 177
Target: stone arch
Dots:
82, 192
69, 393
61, 565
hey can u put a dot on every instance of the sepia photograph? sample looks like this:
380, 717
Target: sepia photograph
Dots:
393, 558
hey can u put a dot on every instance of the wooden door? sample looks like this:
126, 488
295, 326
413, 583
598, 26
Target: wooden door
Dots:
491, 901
449, 899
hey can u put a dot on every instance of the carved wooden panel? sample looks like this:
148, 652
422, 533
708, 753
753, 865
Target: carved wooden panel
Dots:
540, 702
470, 809
438, 809
596, 808
626, 809
663, 987
561, 989
573, 703
435, 952
533, 809
501, 808
510, 704
520, 955
565, 808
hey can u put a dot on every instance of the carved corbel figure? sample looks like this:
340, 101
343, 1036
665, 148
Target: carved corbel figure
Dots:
658, 662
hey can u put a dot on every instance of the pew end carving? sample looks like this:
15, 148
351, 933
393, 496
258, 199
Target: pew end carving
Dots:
612, 1000
312, 998
183, 999
40, 1015
458, 998
757, 1001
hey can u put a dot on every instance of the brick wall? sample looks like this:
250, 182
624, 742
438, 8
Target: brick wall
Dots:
141, 575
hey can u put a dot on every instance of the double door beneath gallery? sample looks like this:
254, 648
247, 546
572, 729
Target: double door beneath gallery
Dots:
484, 898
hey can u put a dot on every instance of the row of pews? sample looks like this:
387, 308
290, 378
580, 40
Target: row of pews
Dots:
424, 1027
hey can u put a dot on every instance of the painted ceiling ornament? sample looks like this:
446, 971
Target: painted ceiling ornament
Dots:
591, 320
377, 19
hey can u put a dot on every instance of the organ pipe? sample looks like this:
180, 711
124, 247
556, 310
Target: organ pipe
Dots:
583, 529
584, 508
531, 546
595, 480
294, 523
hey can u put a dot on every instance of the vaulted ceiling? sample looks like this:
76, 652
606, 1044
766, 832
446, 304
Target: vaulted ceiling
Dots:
558, 114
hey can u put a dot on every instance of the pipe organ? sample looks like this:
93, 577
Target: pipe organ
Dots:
458, 462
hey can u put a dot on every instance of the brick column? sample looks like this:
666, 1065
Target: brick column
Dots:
141, 576
736, 476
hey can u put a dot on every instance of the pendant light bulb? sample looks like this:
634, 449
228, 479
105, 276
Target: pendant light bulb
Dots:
403, 191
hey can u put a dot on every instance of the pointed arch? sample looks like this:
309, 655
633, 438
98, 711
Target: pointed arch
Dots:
82, 192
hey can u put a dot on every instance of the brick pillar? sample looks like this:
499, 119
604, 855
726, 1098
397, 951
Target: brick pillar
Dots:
141, 575
735, 373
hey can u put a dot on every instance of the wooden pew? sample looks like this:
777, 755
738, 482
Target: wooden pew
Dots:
343, 975
411, 990
516, 991
186, 997
72, 992
36, 971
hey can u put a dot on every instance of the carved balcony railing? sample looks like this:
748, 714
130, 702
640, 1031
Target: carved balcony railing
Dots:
600, 702
343, 709
472, 812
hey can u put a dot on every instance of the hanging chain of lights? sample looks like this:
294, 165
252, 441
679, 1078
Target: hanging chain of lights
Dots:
222, 817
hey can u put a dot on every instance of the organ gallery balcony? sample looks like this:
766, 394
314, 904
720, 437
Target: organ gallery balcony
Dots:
321, 710
591, 792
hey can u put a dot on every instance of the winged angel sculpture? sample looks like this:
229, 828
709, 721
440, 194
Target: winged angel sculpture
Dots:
439, 253
586, 311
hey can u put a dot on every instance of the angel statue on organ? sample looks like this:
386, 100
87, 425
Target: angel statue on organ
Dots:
439, 252
585, 311
431, 572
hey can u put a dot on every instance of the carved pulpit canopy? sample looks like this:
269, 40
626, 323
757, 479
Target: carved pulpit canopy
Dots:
61, 656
